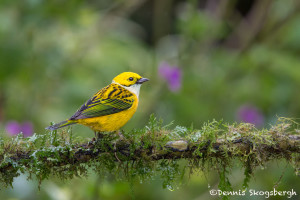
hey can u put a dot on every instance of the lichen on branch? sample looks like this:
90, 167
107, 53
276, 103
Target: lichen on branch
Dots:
154, 150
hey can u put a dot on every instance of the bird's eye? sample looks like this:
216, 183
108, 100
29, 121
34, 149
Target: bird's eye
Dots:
130, 79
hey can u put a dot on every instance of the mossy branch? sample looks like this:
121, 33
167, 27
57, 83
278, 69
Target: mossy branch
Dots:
154, 149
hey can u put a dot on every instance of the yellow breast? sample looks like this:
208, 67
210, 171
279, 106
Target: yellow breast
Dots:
113, 122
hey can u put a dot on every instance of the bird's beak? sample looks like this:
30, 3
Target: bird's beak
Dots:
142, 80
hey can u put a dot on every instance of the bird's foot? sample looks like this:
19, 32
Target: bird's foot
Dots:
91, 143
121, 136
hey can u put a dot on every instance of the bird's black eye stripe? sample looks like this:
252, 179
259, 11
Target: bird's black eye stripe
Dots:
131, 79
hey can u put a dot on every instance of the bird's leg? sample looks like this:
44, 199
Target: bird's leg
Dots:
95, 132
98, 135
93, 139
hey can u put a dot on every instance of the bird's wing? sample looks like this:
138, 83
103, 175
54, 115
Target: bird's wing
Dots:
109, 100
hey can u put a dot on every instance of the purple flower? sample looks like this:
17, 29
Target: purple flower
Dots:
172, 75
27, 129
14, 128
250, 114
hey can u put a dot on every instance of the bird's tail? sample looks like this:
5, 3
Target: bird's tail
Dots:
61, 124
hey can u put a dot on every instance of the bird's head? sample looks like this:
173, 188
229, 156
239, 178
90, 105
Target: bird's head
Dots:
131, 81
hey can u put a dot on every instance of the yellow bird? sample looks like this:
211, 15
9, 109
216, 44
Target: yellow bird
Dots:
111, 107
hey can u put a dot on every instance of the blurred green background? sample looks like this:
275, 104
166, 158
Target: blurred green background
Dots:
207, 59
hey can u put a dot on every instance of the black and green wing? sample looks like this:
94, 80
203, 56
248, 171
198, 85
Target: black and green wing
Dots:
109, 100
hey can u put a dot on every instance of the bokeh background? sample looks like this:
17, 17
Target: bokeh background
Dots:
206, 59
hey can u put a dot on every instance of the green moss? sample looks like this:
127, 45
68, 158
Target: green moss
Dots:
224, 184
150, 152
